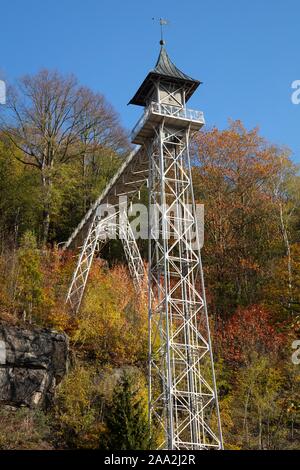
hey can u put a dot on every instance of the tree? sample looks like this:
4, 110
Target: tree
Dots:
247, 334
259, 387
19, 198
286, 195
233, 176
280, 295
29, 280
76, 412
127, 423
52, 121
112, 322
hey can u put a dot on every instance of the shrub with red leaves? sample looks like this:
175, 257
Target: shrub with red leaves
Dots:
248, 332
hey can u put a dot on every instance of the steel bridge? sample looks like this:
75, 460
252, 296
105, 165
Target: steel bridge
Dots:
183, 399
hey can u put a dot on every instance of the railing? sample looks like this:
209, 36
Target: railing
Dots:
175, 111
141, 122
168, 110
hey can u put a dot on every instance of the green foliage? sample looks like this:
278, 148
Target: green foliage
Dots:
94, 405
126, 422
77, 420
29, 281
19, 197
259, 408
75, 186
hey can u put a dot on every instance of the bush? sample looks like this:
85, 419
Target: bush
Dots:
78, 409
112, 323
24, 429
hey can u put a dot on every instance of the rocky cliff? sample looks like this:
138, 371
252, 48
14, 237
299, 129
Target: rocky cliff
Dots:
32, 363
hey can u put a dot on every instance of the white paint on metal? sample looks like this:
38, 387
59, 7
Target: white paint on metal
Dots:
183, 399
97, 234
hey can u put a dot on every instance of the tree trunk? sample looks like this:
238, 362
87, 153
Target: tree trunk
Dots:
46, 183
245, 423
288, 253
260, 432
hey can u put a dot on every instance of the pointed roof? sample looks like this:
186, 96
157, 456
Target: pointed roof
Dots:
164, 66
165, 69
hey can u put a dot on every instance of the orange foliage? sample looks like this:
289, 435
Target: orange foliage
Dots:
233, 177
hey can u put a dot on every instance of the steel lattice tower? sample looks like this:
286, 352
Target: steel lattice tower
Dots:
183, 401
183, 398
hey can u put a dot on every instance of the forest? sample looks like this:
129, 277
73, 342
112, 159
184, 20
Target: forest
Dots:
60, 144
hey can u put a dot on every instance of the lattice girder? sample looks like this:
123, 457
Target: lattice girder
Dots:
183, 393
97, 236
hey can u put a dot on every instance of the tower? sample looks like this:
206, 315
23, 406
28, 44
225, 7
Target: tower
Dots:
183, 401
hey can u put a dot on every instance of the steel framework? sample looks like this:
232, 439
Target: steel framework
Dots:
182, 393
183, 400
97, 235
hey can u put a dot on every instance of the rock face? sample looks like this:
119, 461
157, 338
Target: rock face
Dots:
32, 363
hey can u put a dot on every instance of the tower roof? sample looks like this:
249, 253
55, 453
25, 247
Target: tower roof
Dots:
164, 66
164, 69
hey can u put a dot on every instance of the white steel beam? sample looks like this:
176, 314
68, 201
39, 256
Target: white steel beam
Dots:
183, 395
97, 236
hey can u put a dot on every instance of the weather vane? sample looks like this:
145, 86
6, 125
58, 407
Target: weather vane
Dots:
163, 22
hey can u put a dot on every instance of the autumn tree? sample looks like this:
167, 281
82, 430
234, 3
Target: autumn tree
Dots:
259, 387
29, 280
249, 333
282, 291
233, 176
112, 322
76, 412
286, 187
52, 121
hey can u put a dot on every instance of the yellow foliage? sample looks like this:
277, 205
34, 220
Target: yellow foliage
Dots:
76, 413
59, 320
112, 323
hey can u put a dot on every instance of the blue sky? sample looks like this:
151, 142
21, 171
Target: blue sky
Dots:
245, 51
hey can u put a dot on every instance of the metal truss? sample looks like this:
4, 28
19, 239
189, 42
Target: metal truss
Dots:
183, 401
183, 398
128, 181
133, 256
97, 236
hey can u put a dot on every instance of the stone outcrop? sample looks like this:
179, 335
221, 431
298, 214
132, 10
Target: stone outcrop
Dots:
32, 363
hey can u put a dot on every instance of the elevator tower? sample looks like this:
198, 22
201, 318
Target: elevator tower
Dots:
183, 401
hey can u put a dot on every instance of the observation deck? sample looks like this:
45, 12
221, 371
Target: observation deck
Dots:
173, 115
